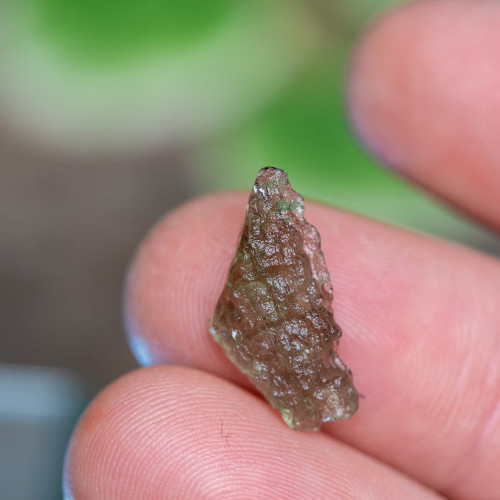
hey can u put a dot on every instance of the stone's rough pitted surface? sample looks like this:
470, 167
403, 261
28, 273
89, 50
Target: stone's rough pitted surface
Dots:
274, 318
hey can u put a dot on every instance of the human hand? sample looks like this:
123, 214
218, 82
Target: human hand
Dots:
421, 317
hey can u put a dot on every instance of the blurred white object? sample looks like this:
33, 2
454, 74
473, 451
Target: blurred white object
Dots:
38, 409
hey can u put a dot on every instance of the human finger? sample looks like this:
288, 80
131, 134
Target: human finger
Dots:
420, 319
423, 95
169, 432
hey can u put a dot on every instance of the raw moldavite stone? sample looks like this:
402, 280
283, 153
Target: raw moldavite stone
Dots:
274, 317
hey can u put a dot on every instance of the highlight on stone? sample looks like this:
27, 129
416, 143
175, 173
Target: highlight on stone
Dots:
274, 317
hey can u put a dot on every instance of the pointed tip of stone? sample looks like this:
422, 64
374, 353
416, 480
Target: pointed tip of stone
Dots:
271, 174
272, 182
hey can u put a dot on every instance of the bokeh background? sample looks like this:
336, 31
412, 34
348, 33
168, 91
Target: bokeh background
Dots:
112, 113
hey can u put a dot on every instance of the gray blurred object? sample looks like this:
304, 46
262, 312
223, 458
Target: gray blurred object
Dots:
38, 409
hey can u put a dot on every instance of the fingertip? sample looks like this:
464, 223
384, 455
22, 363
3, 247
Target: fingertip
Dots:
370, 89
171, 432
139, 432
422, 98
174, 281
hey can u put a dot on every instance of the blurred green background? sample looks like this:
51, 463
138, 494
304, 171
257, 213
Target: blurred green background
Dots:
112, 113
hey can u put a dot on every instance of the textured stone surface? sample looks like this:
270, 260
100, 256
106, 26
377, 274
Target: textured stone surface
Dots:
274, 317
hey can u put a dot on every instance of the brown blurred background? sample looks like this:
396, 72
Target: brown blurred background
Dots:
70, 227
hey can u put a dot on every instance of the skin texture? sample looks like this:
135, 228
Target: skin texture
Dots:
424, 97
420, 316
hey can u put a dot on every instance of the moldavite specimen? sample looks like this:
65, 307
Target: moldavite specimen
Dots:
274, 317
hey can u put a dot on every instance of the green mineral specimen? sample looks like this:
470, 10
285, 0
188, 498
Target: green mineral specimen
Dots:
274, 317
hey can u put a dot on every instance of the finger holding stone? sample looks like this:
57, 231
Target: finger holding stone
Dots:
420, 320
170, 432
174, 282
